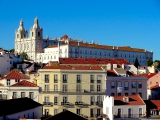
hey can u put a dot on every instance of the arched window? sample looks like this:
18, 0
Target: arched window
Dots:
139, 84
126, 85
119, 84
112, 85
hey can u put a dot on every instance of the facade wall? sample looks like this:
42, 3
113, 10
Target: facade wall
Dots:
83, 95
153, 80
29, 114
130, 90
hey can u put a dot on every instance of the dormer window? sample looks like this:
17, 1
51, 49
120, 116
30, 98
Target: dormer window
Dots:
126, 99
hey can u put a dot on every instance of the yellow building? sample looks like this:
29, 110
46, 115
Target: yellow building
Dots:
79, 89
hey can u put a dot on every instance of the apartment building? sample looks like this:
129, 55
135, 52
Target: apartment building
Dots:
79, 89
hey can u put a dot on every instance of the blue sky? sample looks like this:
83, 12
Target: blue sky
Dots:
134, 23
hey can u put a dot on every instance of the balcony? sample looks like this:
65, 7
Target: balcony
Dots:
72, 91
46, 80
66, 104
98, 81
64, 81
79, 103
92, 103
98, 115
48, 103
99, 103
55, 81
78, 81
55, 103
92, 115
92, 81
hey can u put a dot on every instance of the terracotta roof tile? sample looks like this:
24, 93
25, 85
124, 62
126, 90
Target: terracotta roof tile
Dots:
64, 37
133, 100
24, 83
93, 61
74, 67
156, 103
16, 75
124, 48
148, 75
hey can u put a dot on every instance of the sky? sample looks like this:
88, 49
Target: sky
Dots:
134, 23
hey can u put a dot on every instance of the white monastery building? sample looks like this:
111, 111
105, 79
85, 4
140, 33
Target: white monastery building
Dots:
44, 50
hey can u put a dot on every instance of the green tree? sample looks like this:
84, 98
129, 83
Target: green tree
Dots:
24, 56
156, 64
149, 62
136, 63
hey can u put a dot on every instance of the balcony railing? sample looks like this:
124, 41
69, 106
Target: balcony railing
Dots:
55, 81
78, 103
92, 115
55, 103
46, 80
78, 81
48, 103
64, 81
92, 81
66, 103
99, 103
133, 116
61, 91
92, 103
98, 81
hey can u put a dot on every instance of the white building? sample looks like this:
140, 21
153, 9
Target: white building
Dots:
17, 85
131, 106
44, 50
15, 109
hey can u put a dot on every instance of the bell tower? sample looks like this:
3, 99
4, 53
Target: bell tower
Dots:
36, 32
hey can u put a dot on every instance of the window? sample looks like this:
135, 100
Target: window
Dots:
98, 88
126, 85
17, 80
55, 88
64, 88
14, 95
112, 94
79, 98
133, 85
64, 78
78, 111
64, 99
92, 78
46, 112
55, 111
126, 94
17, 35
46, 78
140, 111
46, 99
22, 94
32, 34
46, 87
119, 84
78, 88
112, 85
78, 78
98, 98
139, 84
8, 82
92, 100
55, 100
92, 112
98, 112
140, 94
91, 88
99, 78
31, 95
38, 34
119, 94
55, 78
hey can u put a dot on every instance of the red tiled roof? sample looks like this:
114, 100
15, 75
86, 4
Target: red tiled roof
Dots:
148, 75
24, 83
16, 75
74, 68
133, 100
156, 103
64, 37
154, 87
124, 48
93, 61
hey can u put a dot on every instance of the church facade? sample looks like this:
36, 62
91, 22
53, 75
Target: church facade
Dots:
44, 50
